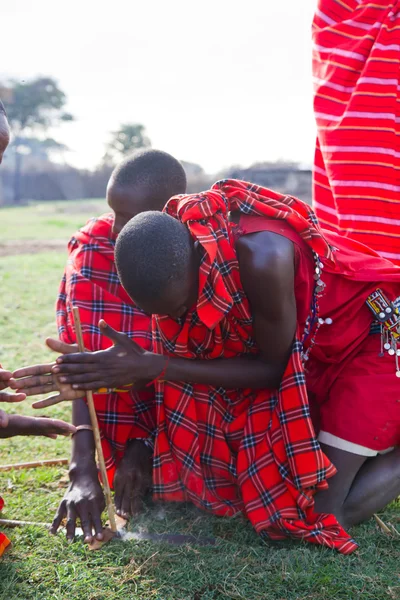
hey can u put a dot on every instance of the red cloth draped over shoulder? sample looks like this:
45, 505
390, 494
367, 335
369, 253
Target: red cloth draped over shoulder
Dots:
244, 450
4, 541
91, 282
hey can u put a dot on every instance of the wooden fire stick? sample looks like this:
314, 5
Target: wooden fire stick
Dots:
37, 463
12, 523
96, 431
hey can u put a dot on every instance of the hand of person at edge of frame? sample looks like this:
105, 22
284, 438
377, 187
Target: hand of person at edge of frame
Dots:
119, 365
5, 377
83, 501
13, 425
39, 379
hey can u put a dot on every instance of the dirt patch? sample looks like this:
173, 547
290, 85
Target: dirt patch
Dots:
12, 248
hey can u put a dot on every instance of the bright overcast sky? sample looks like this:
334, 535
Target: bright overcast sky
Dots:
215, 82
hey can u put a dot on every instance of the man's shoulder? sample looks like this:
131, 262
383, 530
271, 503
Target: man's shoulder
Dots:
266, 265
264, 251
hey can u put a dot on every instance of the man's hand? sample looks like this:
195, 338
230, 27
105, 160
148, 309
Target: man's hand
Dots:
12, 425
39, 379
5, 377
133, 478
119, 365
84, 500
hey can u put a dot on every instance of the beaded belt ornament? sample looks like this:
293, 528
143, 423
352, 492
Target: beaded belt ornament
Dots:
314, 321
387, 318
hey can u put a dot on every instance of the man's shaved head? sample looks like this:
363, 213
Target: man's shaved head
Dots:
4, 131
157, 263
144, 181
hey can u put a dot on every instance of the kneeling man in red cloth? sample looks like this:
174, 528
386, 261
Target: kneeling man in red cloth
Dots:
257, 313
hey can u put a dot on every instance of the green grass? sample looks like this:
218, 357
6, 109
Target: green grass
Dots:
240, 566
47, 220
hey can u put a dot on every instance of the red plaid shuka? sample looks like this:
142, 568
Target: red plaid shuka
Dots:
241, 450
91, 282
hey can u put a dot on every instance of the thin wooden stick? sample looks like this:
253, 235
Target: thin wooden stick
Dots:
96, 431
383, 525
13, 523
32, 465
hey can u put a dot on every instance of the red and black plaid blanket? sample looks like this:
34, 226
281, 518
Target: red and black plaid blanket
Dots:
91, 282
230, 450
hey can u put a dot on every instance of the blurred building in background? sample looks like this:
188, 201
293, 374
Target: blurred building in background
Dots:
43, 179
287, 178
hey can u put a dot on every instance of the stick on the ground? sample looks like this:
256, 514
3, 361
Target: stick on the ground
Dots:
12, 523
383, 525
96, 431
38, 463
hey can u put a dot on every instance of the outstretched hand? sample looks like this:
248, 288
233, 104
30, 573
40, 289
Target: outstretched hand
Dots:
5, 377
39, 379
12, 425
122, 364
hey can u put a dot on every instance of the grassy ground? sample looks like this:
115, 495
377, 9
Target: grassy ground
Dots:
51, 220
240, 566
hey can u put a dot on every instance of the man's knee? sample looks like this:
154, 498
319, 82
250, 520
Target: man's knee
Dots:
333, 500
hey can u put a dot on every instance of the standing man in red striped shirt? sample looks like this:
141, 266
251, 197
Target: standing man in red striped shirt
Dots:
356, 68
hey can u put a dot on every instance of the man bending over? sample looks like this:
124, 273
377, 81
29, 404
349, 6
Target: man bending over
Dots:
142, 182
255, 307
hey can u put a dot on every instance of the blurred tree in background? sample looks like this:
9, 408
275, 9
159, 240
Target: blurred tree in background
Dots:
128, 138
32, 108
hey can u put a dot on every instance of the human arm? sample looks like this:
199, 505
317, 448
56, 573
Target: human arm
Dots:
84, 495
84, 498
13, 425
266, 263
39, 379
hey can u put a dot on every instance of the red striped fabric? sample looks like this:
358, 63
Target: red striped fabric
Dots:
356, 68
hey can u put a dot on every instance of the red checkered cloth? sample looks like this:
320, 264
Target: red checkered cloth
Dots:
239, 450
91, 282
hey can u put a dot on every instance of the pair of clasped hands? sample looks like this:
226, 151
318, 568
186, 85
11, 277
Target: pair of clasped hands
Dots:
75, 372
